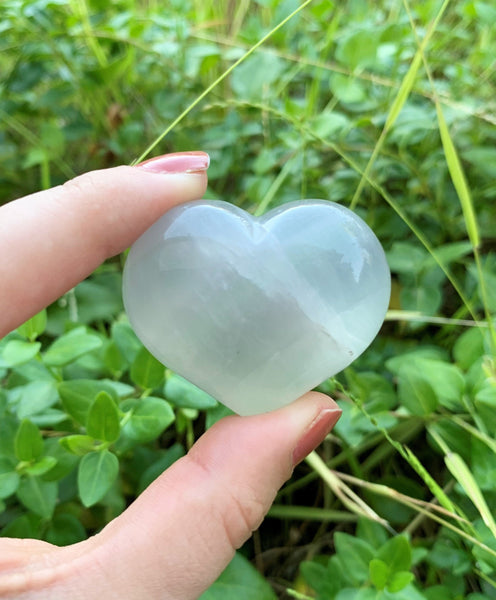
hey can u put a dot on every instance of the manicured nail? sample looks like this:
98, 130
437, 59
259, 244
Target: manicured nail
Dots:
178, 162
316, 433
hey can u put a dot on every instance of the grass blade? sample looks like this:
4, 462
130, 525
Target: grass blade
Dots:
458, 177
460, 471
398, 103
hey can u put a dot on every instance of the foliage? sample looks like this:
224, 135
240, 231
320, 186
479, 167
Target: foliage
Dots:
387, 106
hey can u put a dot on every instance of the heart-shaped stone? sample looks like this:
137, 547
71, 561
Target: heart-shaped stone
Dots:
257, 311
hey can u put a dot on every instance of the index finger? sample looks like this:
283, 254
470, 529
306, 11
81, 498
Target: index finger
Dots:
51, 240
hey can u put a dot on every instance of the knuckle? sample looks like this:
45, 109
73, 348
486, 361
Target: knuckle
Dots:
245, 514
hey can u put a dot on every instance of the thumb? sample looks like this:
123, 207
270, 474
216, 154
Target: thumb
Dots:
57, 237
180, 534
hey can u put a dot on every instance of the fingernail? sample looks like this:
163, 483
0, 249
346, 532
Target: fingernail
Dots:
178, 162
315, 433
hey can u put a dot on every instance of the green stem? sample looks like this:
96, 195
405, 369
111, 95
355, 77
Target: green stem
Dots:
310, 513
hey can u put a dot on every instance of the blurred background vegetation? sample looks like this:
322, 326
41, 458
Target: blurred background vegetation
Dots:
388, 107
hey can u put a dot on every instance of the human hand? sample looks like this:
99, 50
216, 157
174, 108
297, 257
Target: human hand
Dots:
179, 535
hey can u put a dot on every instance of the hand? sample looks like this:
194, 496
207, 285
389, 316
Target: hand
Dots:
179, 535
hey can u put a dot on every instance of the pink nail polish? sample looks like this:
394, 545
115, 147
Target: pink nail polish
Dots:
177, 162
315, 433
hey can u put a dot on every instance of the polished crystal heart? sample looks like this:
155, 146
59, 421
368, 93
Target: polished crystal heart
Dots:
257, 311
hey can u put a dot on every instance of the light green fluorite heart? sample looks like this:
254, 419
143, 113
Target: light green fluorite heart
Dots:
257, 311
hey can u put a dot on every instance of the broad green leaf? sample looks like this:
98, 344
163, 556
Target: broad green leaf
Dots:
184, 394
34, 327
78, 394
399, 581
96, 474
18, 352
328, 124
9, 478
175, 452
40, 467
36, 397
241, 581
26, 526
149, 418
28, 442
354, 551
8, 431
71, 346
103, 418
358, 48
348, 90
460, 471
325, 580
65, 529
78, 444
38, 496
379, 573
126, 340
469, 347
446, 380
415, 391
396, 553
113, 359
147, 371
256, 77
447, 556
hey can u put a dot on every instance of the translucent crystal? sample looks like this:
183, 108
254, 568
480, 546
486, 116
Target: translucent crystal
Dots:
257, 311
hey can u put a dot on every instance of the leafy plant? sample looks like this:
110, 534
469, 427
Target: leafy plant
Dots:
388, 107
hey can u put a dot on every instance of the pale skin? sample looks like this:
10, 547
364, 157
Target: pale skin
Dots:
179, 535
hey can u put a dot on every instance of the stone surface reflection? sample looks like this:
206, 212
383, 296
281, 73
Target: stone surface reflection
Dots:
257, 311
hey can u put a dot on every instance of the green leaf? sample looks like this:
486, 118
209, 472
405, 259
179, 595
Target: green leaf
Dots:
126, 340
78, 394
9, 478
147, 371
18, 352
325, 580
40, 467
28, 442
399, 580
415, 391
71, 346
256, 77
65, 529
469, 347
347, 89
38, 496
396, 553
103, 419
96, 474
34, 327
149, 417
328, 124
113, 359
36, 397
184, 394
358, 48
240, 581
379, 573
354, 551
78, 444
